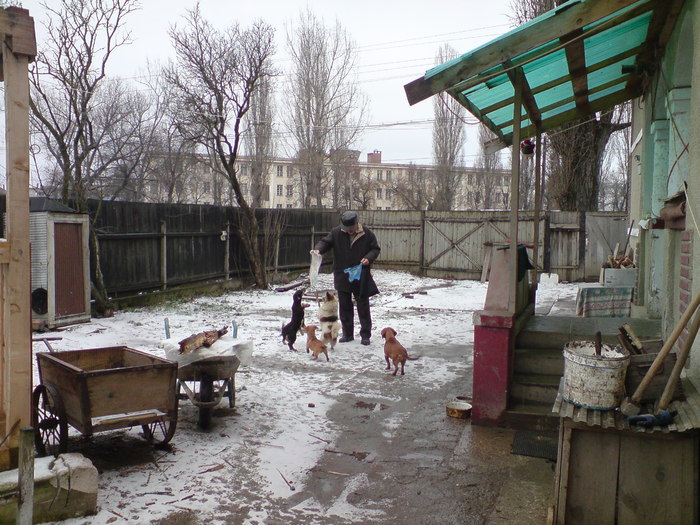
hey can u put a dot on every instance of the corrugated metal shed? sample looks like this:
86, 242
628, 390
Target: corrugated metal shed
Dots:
688, 417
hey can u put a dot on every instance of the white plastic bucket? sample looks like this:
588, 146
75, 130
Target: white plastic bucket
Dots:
592, 381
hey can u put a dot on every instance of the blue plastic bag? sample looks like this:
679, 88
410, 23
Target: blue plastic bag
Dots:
354, 272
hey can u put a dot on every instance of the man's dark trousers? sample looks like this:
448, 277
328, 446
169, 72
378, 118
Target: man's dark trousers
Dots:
347, 314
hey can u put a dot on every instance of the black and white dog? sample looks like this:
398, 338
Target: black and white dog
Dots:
328, 317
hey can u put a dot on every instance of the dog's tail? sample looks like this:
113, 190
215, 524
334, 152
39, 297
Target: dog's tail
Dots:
413, 358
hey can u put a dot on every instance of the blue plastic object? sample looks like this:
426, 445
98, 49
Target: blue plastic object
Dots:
649, 420
234, 329
354, 272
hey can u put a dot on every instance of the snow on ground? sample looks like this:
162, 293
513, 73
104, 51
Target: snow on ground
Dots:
283, 397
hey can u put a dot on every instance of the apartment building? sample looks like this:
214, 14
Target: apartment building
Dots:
348, 183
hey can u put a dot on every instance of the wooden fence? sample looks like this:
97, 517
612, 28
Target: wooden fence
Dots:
148, 246
152, 246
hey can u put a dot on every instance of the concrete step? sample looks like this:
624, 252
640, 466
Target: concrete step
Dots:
531, 416
548, 361
555, 332
534, 388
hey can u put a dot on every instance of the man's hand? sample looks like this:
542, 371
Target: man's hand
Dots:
364, 261
315, 252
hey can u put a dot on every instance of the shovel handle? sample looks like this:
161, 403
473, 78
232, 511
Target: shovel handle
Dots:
668, 345
680, 362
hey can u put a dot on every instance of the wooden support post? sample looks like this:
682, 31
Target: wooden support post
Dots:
227, 252
421, 253
515, 190
536, 218
25, 472
164, 254
16, 313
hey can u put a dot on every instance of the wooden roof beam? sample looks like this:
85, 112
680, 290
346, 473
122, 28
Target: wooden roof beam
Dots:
561, 80
564, 20
528, 99
576, 60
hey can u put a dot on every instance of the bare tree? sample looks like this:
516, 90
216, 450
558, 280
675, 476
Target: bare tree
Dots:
325, 99
413, 189
213, 79
258, 142
488, 174
448, 141
78, 117
615, 177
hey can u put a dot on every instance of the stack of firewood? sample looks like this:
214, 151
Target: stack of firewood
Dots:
620, 260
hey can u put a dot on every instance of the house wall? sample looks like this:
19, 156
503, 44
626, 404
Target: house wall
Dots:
693, 7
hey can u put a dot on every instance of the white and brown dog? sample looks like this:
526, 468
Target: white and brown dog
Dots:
328, 318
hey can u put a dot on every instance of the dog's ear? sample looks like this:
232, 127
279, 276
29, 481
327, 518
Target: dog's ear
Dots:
384, 332
329, 296
395, 332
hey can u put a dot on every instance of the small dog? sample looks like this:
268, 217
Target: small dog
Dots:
289, 331
394, 350
314, 344
328, 316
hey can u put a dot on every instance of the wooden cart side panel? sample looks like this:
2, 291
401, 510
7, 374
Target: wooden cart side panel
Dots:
69, 386
656, 485
98, 359
592, 477
132, 390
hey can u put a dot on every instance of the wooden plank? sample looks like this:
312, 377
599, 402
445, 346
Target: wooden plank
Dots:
561, 471
16, 23
5, 251
16, 311
658, 479
592, 477
576, 59
516, 43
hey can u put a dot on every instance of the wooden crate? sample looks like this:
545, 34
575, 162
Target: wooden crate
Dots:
606, 475
638, 366
112, 387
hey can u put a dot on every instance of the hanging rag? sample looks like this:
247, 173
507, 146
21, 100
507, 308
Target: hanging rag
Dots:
313, 270
354, 272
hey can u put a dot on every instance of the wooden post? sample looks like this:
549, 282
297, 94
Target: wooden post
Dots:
16, 313
164, 254
515, 190
536, 218
25, 473
227, 252
421, 249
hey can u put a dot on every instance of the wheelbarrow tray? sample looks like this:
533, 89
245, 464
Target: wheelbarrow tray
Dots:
216, 367
111, 387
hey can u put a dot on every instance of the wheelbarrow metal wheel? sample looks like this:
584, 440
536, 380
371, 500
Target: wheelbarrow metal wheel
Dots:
49, 421
162, 431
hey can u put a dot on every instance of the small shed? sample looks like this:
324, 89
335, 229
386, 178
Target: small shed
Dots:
60, 263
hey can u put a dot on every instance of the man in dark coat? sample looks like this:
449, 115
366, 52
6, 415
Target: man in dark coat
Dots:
352, 245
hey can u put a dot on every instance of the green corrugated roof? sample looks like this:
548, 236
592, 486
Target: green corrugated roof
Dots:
582, 57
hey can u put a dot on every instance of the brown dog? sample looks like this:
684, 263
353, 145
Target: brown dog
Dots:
394, 350
314, 344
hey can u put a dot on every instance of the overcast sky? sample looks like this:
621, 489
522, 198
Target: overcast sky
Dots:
397, 41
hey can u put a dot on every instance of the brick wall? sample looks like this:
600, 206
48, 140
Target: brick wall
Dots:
685, 282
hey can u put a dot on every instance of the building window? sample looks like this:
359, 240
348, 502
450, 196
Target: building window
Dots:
387, 195
470, 179
207, 187
244, 188
379, 193
244, 169
290, 205
266, 192
388, 175
280, 171
379, 174
290, 171
280, 190
290, 190
279, 205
